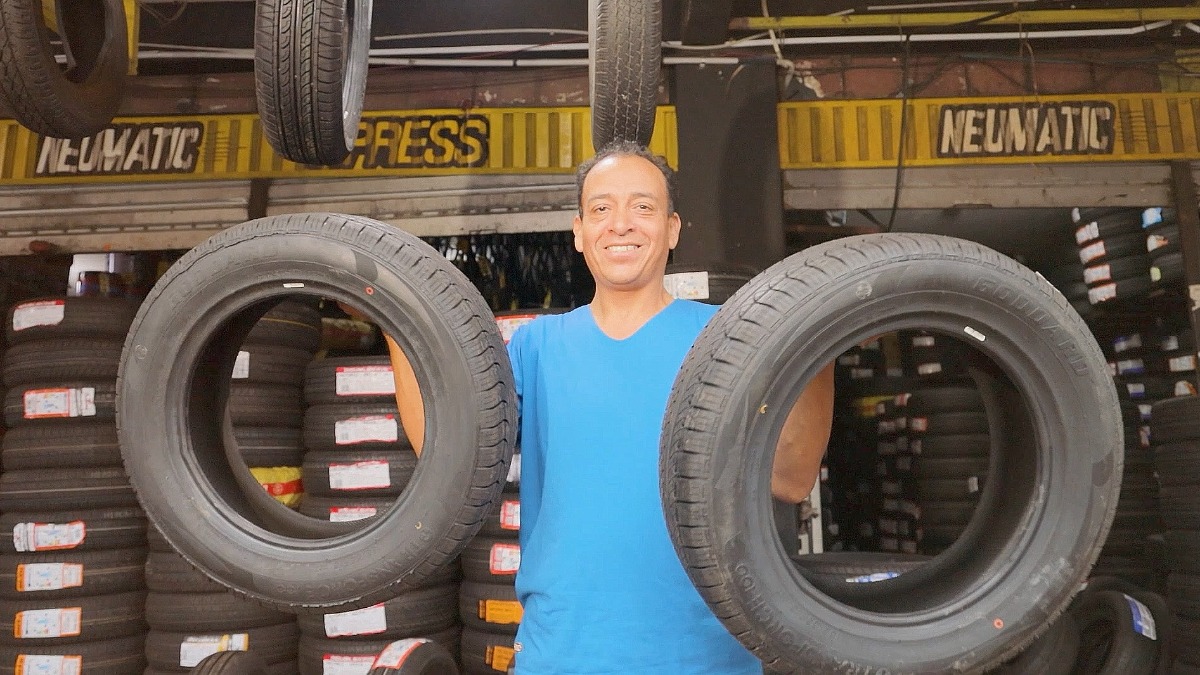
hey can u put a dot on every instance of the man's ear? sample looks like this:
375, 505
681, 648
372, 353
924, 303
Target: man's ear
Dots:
577, 230
675, 224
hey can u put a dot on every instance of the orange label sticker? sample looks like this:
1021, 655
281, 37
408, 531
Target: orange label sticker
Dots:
499, 657
501, 611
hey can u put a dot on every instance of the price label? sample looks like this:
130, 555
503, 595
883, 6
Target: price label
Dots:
687, 285
241, 366
30, 537
43, 403
510, 514
365, 621
366, 429
346, 664
196, 648
504, 559
359, 475
48, 576
345, 514
48, 623
40, 313
48, 664
364, 381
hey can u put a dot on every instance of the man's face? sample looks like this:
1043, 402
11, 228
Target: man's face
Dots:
627, 229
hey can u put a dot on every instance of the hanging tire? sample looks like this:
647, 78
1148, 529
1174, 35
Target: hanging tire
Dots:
624, 56
310, 74
214, 513
73, 103
1034, 534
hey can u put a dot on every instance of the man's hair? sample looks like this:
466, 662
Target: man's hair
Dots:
625, 149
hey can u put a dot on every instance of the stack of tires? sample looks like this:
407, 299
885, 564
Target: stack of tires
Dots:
1112, 248
72, 538
487, 598
265, 396
1162, 244
1178, 351
898, 511
192, 617
1176, 433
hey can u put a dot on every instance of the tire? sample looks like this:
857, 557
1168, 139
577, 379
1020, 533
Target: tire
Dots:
231, 663
1175, 419
1178, 463
44, 97
209, 512
69, 317
324, 383
102, 657
273, 364
956, 467
289, 323
943, 400
353, 470
1183, 551
485, 653
343, 508
721, 281
1118, 268
414, 656
58, 490
1163, 240
100, 573
101, 617
269, 446
1116, 636
62, 359
1053, 653
273, 644
208, 612
936, 446
1104, 250
1180, 507
168, 572
101, 393
97, 530
1167, 269
505, 518
949, 489
950, 424
478, 557
624, 53
264, 405
315, 650
60, 445
489, 607
829, 297
414, 613
1145, 388
1108, 226
1129, 288
330, 426
310, 73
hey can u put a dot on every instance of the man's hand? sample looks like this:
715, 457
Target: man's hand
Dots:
803, 440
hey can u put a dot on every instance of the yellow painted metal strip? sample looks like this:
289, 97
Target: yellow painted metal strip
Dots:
947, 19
133, 27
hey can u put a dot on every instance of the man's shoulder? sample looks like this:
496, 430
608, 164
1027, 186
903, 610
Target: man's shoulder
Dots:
694, 314
544, 327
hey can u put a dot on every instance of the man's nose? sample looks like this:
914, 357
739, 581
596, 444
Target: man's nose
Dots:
622, 223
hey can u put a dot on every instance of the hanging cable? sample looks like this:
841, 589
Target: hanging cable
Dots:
903, 144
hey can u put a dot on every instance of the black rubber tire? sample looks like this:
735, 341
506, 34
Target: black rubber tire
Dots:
274, 644
946, 514
1180, 506
208, 612
59, 490
1183, 589
1145, 388
322, 508
1183, 551
43, 96
827, 298
103, 573
1175, 419
102, 657
950, 489
290, 323
60, 445
320, 380
723, 279
505, 517
950, 398
102, 617
1053, 653
62, 359
400, 467
1109, 642
1107, 226
1129, 288
168, 572
624, 54
421, 611
269, 446
265, 405
313, 648
1178, 463
1167, 269
231, 663
104, 393
321, 424
1118, 268
951, 467
81, 317
1163, 240
489, 607
483, 653
937, 446
948, 424
1103, 250
414, 656
310, 72
476, 560
218, 518
102, 529
274, 364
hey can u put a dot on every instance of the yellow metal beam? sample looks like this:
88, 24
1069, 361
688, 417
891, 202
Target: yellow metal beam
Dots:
947, 19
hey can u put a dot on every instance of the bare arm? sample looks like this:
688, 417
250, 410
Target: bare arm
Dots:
803, 439
408, 396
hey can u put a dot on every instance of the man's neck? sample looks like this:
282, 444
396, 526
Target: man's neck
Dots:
620, 314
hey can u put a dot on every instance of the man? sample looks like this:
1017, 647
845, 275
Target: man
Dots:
602, 588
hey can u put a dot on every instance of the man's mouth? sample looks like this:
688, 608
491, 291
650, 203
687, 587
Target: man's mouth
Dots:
622, 248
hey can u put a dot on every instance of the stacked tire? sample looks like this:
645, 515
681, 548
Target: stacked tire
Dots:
1112, 248
1175, 427
1163, 247
192, 617
72, 538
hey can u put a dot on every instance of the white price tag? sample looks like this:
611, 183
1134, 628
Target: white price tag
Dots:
43, 403
30, 537
1094, 275
1156, 241
345, 514
687, 285
366, 429
48, 623
346, 664
514, 469
924, 341
364, 381
393, 655
365, 621
48, 664
919, 424
1087, 233
1143, 619
48, 576
504, 559
196, 648
41, 313
241, 366
1182, 364
1091, 252
972, 484
929, 368
359, 475
510, 514
1101, 294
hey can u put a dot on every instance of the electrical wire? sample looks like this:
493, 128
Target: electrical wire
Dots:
902, 146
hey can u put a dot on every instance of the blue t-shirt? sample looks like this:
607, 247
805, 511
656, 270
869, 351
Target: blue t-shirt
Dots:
602, 587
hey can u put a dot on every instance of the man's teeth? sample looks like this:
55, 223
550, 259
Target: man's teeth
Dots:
620, 249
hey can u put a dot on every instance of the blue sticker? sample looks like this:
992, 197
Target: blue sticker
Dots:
872, 578
1143, 619
1152, 216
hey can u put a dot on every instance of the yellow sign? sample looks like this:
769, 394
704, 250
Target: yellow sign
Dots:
1012, 130
390, 143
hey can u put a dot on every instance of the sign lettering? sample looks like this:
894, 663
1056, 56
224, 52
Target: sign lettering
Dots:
1020, 129
123, 149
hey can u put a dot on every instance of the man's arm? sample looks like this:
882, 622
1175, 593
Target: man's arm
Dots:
803, 439
408, 396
